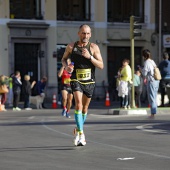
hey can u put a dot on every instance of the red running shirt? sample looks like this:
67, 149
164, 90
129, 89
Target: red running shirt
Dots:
65, 78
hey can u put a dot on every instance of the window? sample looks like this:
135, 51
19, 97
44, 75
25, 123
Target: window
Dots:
73, 10
25, 9
121, 10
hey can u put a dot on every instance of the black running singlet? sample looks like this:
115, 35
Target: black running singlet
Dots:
84, 70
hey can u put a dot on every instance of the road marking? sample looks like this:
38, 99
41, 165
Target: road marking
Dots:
104, 144
152, 130
125, 159
43, 123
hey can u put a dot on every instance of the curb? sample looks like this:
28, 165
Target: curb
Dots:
127, 112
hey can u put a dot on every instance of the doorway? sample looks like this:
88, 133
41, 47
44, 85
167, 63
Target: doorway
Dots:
26, 59
114, 62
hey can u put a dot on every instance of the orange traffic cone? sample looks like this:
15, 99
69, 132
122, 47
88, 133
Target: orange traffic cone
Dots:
107, 102
54, 104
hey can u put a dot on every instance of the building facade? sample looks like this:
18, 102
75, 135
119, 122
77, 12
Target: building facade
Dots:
28, 39
34, 34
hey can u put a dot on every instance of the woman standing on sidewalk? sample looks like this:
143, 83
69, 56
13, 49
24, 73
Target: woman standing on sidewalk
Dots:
152, 84
124, 89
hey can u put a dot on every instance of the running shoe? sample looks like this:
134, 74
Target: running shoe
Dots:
68, 115
76, 134
64, 112
82, 141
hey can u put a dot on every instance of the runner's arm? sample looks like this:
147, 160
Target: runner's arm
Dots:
97, 60
67, 52
66, 55
61, 71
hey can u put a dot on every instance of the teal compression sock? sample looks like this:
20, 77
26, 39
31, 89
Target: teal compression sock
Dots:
84, 116
79, 120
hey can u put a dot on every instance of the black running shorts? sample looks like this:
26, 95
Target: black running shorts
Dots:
66, 87
86, 89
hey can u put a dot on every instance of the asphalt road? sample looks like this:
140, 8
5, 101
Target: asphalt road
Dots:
43, 140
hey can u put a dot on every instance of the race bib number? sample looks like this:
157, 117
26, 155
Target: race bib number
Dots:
67, 81
83, 74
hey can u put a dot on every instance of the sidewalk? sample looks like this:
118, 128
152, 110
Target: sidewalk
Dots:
114, 107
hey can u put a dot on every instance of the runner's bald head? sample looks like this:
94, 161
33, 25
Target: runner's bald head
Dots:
84, 33
84, 26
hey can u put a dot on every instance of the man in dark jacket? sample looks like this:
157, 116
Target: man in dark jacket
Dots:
16, 90
164, 67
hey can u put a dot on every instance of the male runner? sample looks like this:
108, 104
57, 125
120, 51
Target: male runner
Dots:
86, 56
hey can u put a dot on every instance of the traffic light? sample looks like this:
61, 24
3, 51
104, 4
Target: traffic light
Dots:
134, 27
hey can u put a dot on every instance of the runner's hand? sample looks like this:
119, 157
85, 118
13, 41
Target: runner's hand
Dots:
86, 53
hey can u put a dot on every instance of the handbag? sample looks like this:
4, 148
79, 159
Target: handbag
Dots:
157, 74
3, 89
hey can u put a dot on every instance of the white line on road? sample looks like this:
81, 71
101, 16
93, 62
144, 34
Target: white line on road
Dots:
125, 159
152, 130
113, 146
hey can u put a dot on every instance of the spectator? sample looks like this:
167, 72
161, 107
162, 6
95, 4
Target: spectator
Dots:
4, 83
41, 89
16, 90
125, 82
144, 97
164, 67
138, 83
26, 89
152, 84
10, 94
